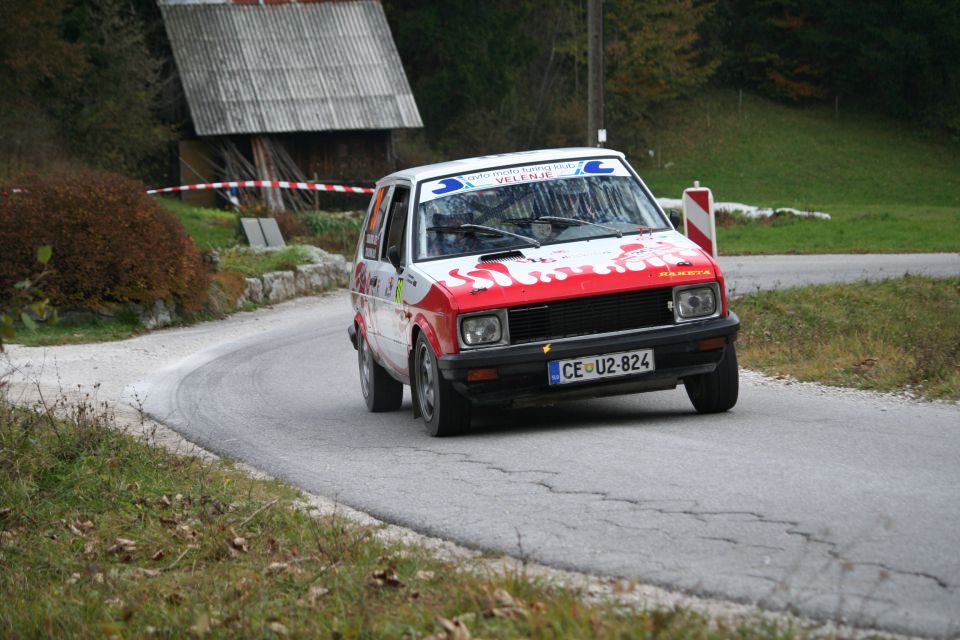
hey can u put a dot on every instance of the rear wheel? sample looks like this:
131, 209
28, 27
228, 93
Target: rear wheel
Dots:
444, 411
380, 391
717, 391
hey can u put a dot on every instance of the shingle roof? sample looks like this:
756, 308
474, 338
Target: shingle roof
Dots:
276, 68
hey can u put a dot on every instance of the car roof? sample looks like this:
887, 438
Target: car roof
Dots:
470, 165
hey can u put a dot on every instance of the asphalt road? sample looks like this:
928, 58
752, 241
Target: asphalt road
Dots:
747, 274
835, 504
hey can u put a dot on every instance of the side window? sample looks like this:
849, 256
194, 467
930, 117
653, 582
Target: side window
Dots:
371, 232
397, 221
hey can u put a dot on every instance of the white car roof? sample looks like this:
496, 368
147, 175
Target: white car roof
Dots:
469, 165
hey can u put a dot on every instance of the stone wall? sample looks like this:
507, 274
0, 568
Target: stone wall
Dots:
308, 279
329, 272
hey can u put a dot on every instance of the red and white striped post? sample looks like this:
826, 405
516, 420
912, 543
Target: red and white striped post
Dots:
699, 222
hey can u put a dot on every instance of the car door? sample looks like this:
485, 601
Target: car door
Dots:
368, 278
391, 319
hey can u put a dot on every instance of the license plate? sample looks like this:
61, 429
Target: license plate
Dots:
607, 365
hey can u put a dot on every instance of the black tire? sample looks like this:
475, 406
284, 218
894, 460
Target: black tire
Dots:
716, 392
380, 391
444, 411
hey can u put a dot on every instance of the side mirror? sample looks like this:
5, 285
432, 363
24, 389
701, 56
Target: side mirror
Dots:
393, 255
675, 219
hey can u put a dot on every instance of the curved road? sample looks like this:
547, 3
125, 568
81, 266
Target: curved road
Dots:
836, 504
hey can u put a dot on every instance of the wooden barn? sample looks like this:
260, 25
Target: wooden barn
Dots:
287, 90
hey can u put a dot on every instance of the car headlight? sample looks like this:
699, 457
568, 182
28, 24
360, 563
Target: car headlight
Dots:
479, 330
695, 302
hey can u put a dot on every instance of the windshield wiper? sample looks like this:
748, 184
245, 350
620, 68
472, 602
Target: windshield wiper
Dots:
463, 228
581, 222
527, 220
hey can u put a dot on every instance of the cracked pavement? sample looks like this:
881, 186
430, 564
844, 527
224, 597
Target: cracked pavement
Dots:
839, 505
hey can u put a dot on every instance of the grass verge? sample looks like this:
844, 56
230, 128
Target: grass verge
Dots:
102, 535
893, 335
885, 229
81, 332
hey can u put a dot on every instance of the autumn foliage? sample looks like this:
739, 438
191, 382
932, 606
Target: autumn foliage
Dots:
112, 244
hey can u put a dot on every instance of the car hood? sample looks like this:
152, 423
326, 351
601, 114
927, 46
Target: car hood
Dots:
531, 275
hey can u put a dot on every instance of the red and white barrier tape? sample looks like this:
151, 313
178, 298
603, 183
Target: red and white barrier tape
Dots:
278, 184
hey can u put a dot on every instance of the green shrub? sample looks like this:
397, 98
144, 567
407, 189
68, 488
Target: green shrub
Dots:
291, 225
253, 261
226, 289
113, 244
337, 232
27, 304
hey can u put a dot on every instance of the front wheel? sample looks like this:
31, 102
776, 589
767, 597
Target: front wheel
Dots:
717, 391
444, 411
380, 391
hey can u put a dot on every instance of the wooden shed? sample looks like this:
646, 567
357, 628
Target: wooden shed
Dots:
288, 90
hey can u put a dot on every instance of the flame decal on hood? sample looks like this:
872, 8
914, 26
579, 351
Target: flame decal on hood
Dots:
633, 257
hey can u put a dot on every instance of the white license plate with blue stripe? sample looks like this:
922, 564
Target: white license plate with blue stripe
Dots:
607, 365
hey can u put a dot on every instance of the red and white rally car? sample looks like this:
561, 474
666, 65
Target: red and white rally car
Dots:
531, 278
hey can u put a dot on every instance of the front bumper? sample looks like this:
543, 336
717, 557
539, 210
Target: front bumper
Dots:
522, 377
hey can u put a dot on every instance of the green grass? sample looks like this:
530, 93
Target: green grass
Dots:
209, 228
252, 263
894, 335
99, 330
888, 185
102, 535
886, 229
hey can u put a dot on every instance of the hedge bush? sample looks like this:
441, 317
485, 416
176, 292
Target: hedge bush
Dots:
226, 289
112, 244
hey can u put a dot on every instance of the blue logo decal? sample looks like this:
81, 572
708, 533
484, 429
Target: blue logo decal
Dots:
554, 372
596, 166
449, 185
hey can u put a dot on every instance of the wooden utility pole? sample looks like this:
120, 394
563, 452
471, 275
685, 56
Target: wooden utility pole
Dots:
266, 170
594, 71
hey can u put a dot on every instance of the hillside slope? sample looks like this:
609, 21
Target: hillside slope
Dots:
889, 185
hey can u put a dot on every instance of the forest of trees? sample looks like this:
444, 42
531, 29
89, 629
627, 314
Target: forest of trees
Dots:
92, 81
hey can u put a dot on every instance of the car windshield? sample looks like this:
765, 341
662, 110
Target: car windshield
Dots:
469, 219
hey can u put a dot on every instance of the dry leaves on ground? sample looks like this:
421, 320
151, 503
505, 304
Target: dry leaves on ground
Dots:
504, 605
385, 577
451, 630
123, 545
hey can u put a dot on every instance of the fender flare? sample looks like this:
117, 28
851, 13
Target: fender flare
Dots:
357, 328
421, 322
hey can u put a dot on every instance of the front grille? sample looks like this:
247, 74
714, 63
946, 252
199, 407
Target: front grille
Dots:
587, 316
